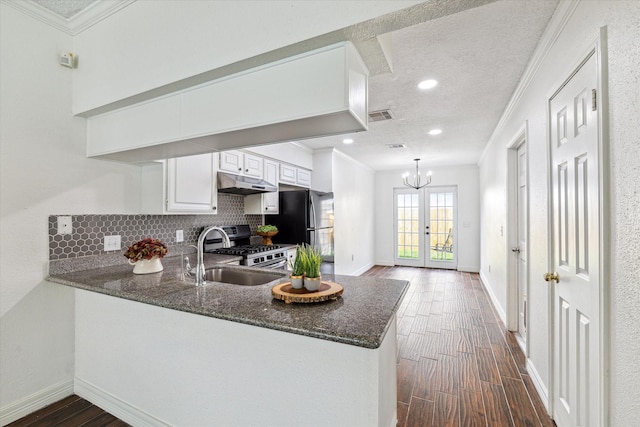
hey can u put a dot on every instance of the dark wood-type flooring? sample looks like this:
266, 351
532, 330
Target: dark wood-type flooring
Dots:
457, 364
72, 411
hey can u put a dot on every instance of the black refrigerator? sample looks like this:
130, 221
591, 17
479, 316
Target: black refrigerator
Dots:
306, 216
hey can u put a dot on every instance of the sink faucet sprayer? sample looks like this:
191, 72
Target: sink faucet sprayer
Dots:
200, 266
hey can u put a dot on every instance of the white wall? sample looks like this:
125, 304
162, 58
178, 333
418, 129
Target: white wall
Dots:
622, 19
354, 234
43, 171
466, 179
137, 50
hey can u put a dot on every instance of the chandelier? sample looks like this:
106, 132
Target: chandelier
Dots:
416, 178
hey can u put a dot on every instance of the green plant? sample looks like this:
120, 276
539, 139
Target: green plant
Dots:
312, 261
266, 228
297, 266
146, 249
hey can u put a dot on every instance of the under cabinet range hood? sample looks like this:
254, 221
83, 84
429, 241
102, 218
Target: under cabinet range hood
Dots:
245, 185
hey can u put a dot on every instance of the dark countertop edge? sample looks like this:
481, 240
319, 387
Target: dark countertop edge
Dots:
355, 341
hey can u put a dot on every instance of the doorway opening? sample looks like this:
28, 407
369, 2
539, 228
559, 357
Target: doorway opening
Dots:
517, 237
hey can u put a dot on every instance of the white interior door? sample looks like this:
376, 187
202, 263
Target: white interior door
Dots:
575, 250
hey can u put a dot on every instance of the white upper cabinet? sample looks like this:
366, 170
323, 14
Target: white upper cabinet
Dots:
288, 174
254, 166
293, 175
323, 92
242, 163
232, 161
265, 203
303, 177
181, 185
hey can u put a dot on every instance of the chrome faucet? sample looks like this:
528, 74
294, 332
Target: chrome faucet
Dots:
200, 266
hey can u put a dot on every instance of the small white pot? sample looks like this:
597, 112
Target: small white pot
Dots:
296, 281
146, 266
312, 283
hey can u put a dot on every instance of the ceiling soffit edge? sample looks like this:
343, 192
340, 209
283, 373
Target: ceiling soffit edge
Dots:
76, 24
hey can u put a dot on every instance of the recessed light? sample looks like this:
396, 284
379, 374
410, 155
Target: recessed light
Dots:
347, 141
427, 84
435, 131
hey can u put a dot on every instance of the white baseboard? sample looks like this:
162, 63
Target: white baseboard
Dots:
362, 269
38, 400
116, 407
467, 269
494, 300
543, 392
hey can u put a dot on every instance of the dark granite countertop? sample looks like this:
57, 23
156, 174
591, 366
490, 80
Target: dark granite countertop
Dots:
360, 317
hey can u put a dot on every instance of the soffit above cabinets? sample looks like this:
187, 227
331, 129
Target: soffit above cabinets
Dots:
323, 92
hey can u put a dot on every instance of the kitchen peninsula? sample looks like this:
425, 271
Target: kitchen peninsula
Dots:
156, 350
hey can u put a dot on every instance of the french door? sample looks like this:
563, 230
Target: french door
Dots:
425, 227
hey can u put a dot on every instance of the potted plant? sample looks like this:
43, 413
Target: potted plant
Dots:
145, 255
312, 262
267, 232
297, 269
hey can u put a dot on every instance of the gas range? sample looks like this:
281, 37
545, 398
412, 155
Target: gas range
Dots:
271, 256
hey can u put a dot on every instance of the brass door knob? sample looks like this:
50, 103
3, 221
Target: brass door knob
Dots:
551, 276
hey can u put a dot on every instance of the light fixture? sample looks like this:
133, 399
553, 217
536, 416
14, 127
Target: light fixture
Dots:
435, 131
347, 141
427, 84
416, 178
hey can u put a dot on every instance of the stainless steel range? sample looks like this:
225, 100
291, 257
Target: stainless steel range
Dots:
272, 256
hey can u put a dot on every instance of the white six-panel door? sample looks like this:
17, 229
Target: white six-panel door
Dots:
575, 204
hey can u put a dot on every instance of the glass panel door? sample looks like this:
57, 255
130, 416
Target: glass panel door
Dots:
441, 226
409, 217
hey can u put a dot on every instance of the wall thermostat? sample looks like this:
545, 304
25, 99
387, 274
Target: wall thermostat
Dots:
67, 60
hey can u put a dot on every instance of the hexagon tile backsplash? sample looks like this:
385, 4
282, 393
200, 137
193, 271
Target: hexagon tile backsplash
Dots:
88, 231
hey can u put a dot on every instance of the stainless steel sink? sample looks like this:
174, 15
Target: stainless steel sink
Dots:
240, 277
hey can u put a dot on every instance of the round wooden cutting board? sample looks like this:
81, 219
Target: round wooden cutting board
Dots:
328, 291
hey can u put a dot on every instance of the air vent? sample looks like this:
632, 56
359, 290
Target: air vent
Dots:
395, 146
381, 115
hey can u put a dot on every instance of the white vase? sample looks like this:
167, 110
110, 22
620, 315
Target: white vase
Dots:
312, 283
296, 281
146, 266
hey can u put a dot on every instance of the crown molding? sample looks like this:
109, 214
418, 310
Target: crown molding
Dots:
563, 13
81, 21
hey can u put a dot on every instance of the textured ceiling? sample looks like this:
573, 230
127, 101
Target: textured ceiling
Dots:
477, 56
65, 8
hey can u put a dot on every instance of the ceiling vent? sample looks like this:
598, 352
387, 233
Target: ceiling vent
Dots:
395, 146
379, 116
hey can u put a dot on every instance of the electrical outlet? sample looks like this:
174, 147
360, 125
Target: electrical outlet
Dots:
179, 236
64, 225
489, 268
112, 243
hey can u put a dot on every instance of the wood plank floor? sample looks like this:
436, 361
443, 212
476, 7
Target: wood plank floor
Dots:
72, 411
457, 363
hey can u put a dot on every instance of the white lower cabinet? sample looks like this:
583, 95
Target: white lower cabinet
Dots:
181, 185
265, 203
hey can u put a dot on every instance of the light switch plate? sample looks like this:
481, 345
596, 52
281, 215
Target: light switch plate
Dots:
179, 236
112, 243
